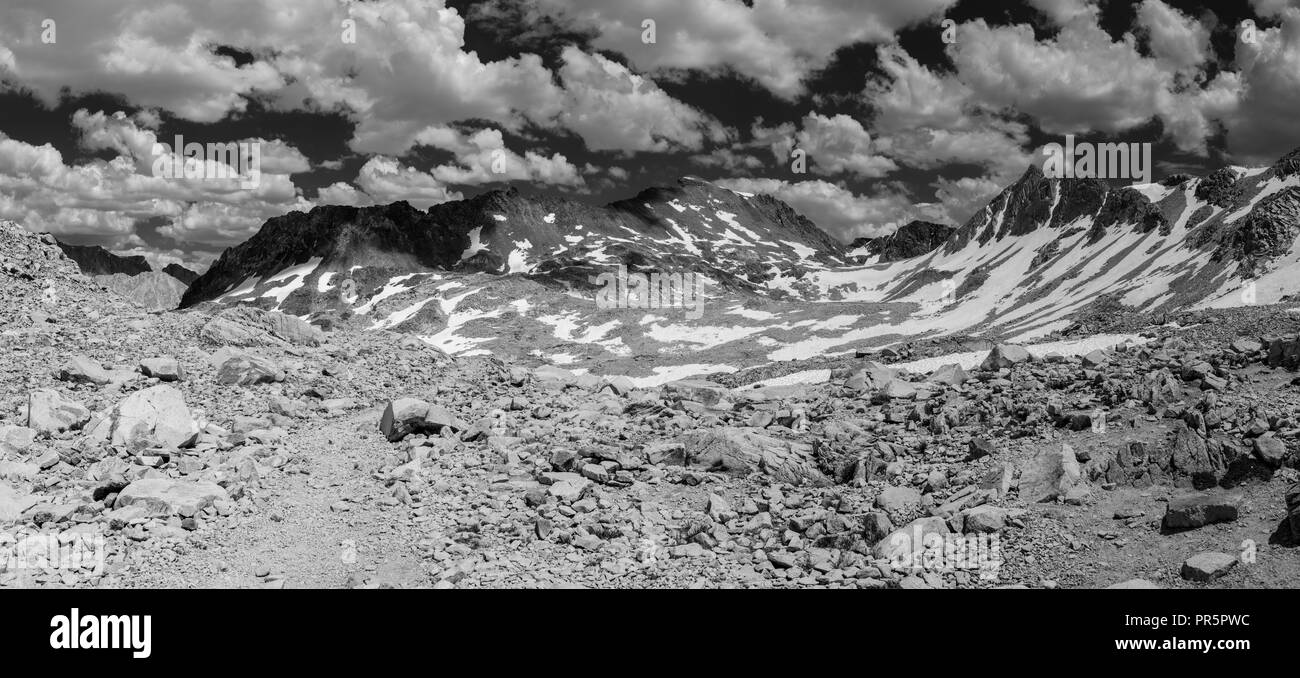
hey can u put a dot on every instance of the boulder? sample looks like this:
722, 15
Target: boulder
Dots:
898, 500
405, 416
1052, 473
251, 326
698, 390
162, 369
1201, 509
16, 439
741, 451
236, 367
166, 497
154, 417
986, 519
14, 503
904, 547
1005, 356
953, 375
1208, 566
1270, 450
80, 369
50, 412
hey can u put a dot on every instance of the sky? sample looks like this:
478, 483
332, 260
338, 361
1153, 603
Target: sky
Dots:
900, 109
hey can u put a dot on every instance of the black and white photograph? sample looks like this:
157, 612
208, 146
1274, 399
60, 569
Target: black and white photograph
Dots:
555, 295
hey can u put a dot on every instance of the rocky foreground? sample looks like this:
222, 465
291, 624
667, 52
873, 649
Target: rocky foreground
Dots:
251, 449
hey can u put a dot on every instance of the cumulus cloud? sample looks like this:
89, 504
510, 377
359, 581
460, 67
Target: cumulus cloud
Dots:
835, 145
482, 158
772, 42
387, 180
107, 199
612, 108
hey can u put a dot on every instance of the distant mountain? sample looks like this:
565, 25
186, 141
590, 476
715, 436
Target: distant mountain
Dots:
95, 260
507, 274
298, 262
181, 273
1046, 249
155, 290
911, 240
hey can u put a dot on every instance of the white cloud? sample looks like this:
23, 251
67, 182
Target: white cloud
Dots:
106, 198
1063, 12
1175, 38
775, 42
387, 180
835, 145
612, 108
482, 158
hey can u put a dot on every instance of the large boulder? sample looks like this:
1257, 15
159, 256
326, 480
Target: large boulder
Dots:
251, 326
50, 412
905, 547
741, 451
1200, 509
154, 417
236, 367
1005, 356
1052, 473
698, 390
405, 416
16, 439
166, 497
13, 503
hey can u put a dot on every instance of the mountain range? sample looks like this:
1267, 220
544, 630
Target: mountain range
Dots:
505, 272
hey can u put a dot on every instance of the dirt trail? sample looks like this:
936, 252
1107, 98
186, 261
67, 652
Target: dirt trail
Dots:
330, 527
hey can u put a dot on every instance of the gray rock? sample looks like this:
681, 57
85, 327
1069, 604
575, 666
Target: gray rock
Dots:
742, 451
985, 519
953, 375
251, 326
16, 439
14, 503
80, 369
1005, 356
698, 390
405, 416
1208, 566
50, 412
1270, 450
898, 500
166, 497
904, 547
236, 367
162, 369
1200, 509
1052, 473
154, 417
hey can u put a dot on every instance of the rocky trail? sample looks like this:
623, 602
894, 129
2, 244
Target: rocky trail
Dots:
323, 523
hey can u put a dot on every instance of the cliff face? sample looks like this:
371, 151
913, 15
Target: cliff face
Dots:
911, 240
95, 260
